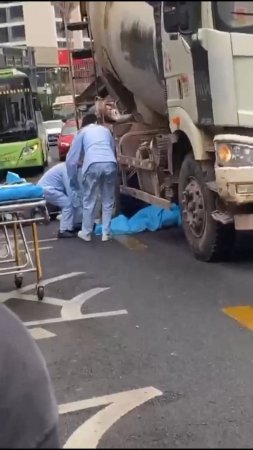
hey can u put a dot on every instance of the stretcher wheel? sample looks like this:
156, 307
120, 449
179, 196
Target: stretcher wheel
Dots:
18, 280
40, 292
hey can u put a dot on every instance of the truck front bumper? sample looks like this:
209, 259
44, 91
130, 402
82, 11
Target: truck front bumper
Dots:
235, 184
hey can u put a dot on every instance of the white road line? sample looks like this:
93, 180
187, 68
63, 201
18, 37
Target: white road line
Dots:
53, 280
72, 309
40, 248
4, 296
40, 333
83, 317
2, 239
91, 431
44, 240
48, 300
6, 255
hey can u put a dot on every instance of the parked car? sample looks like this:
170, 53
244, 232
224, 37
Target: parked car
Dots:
66, 137
53, 130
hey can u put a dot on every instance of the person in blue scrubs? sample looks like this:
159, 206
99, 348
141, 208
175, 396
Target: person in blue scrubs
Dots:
95, 146
57, 191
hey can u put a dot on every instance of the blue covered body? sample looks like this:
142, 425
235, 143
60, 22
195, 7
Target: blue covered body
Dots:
17, 188
151, 218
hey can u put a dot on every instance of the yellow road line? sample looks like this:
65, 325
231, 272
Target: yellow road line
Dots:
130, 242
242, 314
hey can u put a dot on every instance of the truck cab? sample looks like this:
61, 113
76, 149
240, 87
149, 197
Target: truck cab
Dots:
183, 71
208, 67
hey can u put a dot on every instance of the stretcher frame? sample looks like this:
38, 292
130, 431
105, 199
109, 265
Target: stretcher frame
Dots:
15, 210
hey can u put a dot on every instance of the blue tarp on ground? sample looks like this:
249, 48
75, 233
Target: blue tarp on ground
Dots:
151, 218
18, 189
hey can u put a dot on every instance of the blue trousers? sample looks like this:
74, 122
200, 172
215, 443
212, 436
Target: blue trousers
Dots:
71, 215
99, 179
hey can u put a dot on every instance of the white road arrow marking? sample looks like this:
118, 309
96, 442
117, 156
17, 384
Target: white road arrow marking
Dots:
70, 309
17, 293
40, 333
91, 431
119, 312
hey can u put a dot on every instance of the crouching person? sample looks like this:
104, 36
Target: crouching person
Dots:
57, 191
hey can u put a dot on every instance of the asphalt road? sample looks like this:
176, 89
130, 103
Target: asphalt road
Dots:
142, 347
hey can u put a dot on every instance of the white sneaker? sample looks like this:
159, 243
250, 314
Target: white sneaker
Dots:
106, 237
84, 237
58, 217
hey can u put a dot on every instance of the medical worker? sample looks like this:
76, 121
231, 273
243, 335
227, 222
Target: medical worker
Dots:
95, 146
57, 191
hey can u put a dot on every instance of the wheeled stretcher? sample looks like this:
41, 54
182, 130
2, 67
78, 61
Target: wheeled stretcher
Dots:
16, 258
15, 254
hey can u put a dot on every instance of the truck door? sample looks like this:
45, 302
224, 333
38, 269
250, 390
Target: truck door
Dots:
180, 20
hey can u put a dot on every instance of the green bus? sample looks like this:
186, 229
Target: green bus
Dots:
23, 142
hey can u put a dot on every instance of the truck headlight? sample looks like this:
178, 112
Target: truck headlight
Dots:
234, 154
29, 150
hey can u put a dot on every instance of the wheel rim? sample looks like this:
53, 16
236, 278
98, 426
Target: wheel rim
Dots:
193, 208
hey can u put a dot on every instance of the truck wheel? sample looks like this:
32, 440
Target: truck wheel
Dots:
209, 240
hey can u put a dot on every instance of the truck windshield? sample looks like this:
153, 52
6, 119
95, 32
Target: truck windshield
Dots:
17, 118
67, 130
64, 111
234, 17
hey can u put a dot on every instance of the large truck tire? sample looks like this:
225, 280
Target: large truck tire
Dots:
208, 239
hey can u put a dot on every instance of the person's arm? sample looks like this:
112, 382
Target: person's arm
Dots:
74, 156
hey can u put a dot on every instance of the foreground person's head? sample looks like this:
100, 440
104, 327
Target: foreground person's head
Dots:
88, 120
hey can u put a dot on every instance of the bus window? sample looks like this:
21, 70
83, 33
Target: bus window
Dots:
17, 114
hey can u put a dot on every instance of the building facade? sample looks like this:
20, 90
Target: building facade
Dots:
38, 25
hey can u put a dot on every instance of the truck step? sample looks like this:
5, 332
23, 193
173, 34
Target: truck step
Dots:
221, 217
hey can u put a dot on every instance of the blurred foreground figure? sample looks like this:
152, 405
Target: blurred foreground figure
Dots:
95, 145
28, 410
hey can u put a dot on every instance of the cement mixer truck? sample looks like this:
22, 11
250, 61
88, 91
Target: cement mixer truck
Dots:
179, 78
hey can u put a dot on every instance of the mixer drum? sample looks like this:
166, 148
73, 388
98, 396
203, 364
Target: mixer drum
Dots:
125, 45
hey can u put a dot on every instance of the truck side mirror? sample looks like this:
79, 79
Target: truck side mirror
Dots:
36, 104
184, 21
189, 17
171, 17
